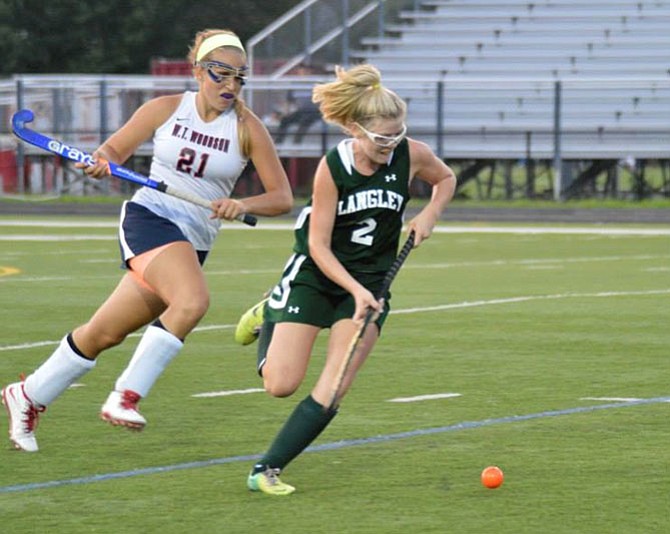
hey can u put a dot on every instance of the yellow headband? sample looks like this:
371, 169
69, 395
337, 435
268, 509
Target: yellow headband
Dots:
215, 41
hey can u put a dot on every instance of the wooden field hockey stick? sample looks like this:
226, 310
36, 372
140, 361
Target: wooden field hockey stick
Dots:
19, 120
369, 315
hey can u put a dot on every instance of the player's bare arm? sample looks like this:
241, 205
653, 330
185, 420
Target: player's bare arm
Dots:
427, 167
125, 141
277, 197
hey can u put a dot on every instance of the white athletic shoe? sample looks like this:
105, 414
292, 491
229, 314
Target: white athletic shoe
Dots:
23, 417
120, 409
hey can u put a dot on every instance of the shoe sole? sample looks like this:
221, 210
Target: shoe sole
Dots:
136, 427
283, 494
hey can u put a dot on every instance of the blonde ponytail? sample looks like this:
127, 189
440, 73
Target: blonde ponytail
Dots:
357, 95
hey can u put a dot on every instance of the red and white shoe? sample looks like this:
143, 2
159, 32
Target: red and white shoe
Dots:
23, 417
120, 409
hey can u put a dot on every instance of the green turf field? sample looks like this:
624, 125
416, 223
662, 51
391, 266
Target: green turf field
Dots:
543, 340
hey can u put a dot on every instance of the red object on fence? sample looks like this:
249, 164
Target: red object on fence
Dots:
170, 67
8, 171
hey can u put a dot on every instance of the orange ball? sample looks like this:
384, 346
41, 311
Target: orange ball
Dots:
492, 477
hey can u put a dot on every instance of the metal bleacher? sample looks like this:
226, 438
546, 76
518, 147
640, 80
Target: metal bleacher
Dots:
501, 65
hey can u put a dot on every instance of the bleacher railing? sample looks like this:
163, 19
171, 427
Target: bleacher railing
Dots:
319, 33
460, 119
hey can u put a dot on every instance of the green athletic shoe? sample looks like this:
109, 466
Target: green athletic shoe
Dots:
268, 482
249, 325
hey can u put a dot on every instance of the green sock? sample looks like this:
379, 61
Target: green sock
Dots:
306, 422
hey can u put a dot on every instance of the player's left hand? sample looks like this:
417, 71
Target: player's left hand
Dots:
422, 229
227, 208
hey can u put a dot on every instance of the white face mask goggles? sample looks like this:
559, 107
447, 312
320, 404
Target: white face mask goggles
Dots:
384, 141
219, 72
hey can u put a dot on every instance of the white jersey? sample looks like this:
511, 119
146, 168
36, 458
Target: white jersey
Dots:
196, 156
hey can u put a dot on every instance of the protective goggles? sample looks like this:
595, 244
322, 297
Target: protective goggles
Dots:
384, 141
219, 72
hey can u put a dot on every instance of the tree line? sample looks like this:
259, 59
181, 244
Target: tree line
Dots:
116, 36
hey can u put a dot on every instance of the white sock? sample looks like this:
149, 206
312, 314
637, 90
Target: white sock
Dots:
56, 374
154, 352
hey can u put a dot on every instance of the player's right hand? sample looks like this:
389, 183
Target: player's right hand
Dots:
364, 301
99, 169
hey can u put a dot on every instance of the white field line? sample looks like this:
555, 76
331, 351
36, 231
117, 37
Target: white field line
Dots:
512, 300
57, 237
19, 253
454, 306
568, 230
529, 263
610, 232
536, 261
228, 393
11, 275
57, 224
136, 334
425, 397
274, 226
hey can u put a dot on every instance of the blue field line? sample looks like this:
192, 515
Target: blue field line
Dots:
329, 446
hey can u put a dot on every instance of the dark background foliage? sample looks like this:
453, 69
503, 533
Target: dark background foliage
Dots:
116, 36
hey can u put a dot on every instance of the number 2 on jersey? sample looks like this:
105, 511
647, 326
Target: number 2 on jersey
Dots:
362, 235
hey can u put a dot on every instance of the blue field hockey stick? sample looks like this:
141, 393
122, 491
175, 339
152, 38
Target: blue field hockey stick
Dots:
19, 120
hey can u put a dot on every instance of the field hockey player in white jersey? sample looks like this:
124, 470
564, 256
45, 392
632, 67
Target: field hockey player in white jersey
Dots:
202, 142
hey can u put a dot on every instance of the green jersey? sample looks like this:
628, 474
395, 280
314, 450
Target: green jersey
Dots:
370, 210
